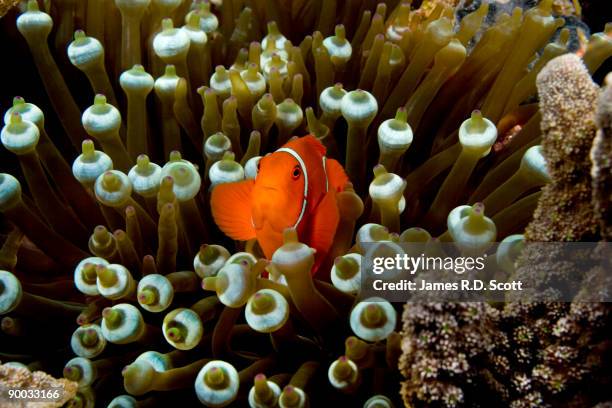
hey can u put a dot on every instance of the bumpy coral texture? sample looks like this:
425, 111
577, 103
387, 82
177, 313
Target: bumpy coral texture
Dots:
568, 100
442, 346
550, 353
525, 355
573, 205
19, 378
6, 5
601, 156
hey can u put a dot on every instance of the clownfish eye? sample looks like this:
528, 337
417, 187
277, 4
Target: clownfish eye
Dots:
296, 172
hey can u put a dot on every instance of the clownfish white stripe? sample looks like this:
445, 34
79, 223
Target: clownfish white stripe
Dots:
325, 172
299, 159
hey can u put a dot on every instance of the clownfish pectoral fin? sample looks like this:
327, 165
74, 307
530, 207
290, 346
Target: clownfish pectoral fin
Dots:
336, 175
231, 208
323, 225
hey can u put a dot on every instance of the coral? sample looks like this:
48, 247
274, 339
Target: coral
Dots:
569, 208
532, 354
443, 347
601, 157
568, 101
6, 5
557, 349
15, 377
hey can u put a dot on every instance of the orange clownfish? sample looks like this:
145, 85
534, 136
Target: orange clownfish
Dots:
295, 187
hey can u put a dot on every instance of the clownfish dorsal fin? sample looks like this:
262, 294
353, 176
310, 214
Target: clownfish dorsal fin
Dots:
312, 143
231, 208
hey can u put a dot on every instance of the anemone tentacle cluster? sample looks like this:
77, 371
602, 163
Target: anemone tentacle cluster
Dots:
114, 274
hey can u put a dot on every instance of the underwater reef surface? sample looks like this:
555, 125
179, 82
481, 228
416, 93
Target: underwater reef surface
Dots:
470, 122
14, 377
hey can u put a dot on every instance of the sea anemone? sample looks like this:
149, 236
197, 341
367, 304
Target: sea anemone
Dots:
106, 223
